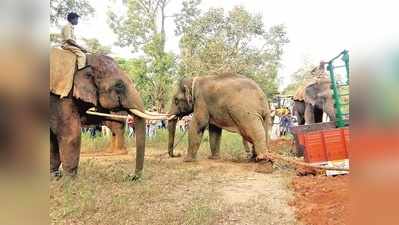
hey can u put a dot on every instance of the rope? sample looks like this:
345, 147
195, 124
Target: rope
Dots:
180, 139
296, 162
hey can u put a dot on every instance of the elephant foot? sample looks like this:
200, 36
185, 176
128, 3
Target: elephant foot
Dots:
214, 157
264, 166
56, 175
135, 177
251, 157
189, 159
172, 155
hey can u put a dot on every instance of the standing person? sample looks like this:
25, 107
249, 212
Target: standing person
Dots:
69, 40
130, 125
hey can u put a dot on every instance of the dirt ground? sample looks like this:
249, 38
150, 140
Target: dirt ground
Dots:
204, 192
321, 200
172, 192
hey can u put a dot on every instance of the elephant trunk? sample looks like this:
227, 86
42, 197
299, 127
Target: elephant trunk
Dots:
140, 144
171, 140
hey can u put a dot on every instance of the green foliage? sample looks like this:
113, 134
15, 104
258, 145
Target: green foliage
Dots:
60, 8
138, 30
189, 13
238, 43
93, 45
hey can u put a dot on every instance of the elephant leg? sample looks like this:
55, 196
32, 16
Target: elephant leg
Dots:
55, 160
118, 138
140, 145
329, 109
309, 114
246, 146
69, 137
215, 134
254, 130
318, 115
195, 133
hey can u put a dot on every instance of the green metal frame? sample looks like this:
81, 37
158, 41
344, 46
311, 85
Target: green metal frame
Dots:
340, 122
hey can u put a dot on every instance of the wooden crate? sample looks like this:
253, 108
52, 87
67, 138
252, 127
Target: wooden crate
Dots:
326, 145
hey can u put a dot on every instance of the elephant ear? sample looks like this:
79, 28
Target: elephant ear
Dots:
84, 87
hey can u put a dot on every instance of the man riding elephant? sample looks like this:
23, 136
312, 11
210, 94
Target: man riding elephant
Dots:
69, 40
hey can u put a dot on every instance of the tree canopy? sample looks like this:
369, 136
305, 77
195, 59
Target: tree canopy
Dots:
238, 42
212, 41
60, 8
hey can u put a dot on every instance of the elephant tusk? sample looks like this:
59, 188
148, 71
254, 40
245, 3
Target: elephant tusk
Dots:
155, 113
148, 117
171, 117
90, 112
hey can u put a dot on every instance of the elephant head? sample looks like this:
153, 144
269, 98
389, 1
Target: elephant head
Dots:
182, 105
109, 89
317, 96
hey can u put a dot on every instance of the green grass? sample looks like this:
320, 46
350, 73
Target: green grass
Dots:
94, 144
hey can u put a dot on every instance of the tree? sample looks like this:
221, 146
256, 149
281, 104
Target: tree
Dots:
94, 46
189, 13
143, 28
60, 8
212, 43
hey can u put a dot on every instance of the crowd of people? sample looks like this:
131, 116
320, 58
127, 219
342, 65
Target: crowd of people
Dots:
151, 126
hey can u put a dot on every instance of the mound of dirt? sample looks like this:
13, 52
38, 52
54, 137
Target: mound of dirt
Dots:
321, 199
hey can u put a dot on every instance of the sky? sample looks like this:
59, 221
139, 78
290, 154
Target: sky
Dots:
317, 29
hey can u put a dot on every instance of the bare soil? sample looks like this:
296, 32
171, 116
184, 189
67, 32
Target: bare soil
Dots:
321, 200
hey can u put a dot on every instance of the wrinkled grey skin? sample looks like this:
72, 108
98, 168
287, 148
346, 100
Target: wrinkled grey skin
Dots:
317, 99
226, 101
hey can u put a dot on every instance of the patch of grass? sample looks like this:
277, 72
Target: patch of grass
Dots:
94, 144
232, 147
200, 212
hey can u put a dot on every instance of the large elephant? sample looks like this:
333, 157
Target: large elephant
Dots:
225, 101
311, 101
105, 87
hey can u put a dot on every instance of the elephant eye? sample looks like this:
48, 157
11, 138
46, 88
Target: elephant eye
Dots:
119, 87
176, 101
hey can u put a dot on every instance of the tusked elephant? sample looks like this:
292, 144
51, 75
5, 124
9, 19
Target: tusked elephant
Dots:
105, 87
227, 101
312, 100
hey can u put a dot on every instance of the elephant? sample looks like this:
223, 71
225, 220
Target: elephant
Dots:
225, 101
107, 88
311, 101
